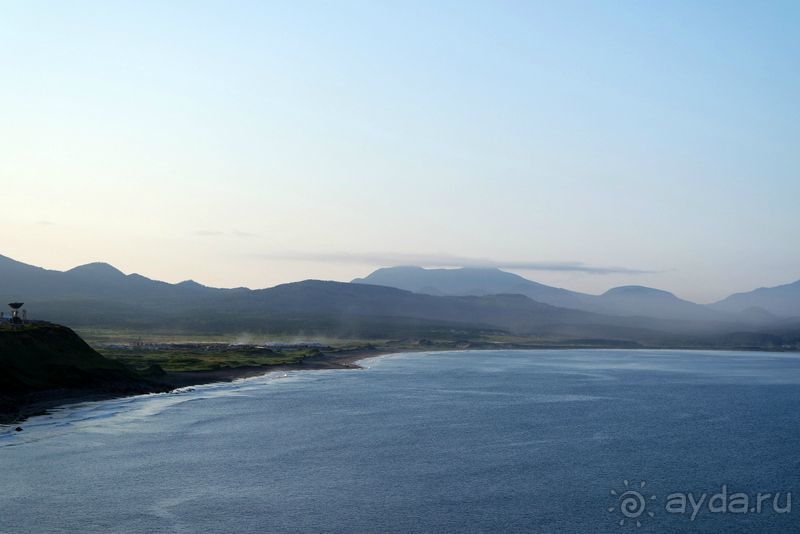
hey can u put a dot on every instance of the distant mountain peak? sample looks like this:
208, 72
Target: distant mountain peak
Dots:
781, 301
97, 269
625, 300
417, 270
640, 291
190, 283
454, 281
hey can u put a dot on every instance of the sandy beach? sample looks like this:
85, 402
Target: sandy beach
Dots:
14, 410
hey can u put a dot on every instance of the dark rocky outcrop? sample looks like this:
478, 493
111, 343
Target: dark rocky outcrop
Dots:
40, 359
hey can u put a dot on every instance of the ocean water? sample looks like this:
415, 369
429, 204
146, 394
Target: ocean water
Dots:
502, 441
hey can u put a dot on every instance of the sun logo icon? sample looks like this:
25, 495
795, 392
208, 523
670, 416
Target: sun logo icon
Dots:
631, 503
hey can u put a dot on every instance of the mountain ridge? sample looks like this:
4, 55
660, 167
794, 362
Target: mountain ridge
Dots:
621, 301
782, 300
111, 299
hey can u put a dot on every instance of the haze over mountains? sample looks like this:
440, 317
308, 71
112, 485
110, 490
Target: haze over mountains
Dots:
395, 302
783, 301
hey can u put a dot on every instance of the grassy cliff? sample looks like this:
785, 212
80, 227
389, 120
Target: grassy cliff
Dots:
42, 358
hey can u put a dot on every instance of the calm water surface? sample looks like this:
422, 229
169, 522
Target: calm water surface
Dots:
511, 441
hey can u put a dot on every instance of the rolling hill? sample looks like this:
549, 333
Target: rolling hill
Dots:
782, 301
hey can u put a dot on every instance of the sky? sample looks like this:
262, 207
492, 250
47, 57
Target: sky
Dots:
580, 144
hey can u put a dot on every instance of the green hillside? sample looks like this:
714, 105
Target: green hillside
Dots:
46, 356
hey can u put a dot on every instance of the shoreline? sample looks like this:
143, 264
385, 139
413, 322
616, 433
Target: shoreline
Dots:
39, 403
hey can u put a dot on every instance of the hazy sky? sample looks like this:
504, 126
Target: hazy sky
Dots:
586, 144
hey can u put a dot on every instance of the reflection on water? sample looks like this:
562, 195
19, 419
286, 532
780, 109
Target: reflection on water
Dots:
459, 441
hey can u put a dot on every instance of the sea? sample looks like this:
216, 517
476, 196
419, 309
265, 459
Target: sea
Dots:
584, 441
